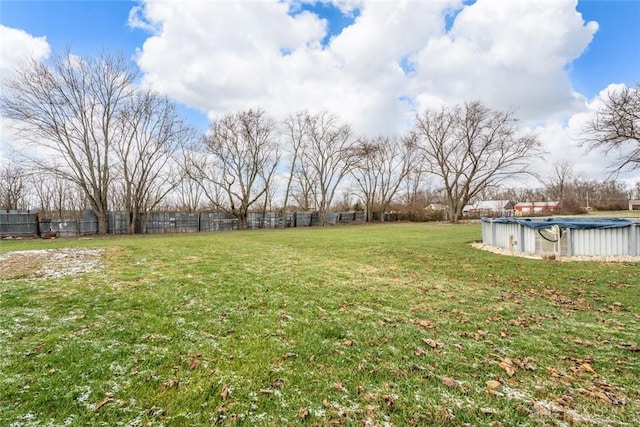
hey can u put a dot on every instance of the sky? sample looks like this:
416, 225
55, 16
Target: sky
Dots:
375, 63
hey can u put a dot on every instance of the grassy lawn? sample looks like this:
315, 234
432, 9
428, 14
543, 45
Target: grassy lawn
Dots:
400, 324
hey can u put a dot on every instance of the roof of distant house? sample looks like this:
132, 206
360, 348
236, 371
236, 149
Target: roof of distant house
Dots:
495, 205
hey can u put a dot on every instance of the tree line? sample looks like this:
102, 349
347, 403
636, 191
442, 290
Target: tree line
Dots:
93, 137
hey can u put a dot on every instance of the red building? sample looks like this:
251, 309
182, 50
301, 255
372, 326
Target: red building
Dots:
529, 208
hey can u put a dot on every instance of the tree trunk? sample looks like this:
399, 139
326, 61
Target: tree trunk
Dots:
102, 221
131, 222
242, 221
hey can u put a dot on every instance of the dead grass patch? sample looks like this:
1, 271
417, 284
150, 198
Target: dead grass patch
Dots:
49, 263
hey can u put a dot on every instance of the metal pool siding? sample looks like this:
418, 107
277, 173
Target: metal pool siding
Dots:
579, 242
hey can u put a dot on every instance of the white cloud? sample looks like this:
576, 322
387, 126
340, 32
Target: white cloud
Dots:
234, 55
394, 57
561, 142
509, 54
17, 46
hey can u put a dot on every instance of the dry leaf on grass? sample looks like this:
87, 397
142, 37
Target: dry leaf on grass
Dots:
630, 346
194, 363
562, 377
525, 363
541, 409
494, 393
507, 365
339, 387
493, 384
431, 343
450, 382
154, 411
564, 400
389, 401
510, 365
103, 402
303, 413
604, 392
224, 393
424, 323
419, 352
585, 367
170, 384
581, 342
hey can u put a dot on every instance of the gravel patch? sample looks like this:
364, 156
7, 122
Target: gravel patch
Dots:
501, 251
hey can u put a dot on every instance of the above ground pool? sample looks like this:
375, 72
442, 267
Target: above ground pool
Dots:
563, 237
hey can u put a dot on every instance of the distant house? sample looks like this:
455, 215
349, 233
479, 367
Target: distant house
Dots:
529, 208
634, 205
489, 208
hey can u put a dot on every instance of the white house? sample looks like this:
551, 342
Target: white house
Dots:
489, 208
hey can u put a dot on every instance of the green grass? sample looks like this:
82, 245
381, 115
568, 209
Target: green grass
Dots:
365, 325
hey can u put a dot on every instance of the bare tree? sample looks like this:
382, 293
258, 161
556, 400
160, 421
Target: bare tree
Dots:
295, 130
472, 147
610, 195
152, 133
416, 194
12, 187
187, 195
380, 167
238, 162
559, 183
366, 172
326, 157
615, 127
67, 108
55, 196
304, 188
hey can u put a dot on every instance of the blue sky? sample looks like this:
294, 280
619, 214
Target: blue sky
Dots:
614, 53
85, 26
212, 57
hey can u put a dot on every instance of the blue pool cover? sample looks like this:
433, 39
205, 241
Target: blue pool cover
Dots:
581, 223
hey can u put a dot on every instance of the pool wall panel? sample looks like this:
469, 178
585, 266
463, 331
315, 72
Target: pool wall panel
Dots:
620, 241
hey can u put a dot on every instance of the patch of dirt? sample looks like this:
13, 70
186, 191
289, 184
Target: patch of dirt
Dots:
49, 263
502, 251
